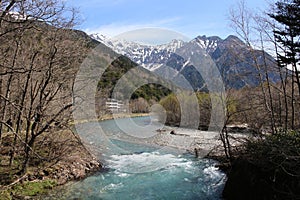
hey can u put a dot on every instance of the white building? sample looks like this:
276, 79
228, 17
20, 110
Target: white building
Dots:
114, 105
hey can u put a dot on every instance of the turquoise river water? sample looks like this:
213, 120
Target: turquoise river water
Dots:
147, 172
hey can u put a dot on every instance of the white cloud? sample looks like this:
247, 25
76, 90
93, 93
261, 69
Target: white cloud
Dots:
113, 29
152, 36
117, 28
156, 32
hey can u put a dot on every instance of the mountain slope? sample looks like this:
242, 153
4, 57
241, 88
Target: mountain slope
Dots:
148, 56
238, 65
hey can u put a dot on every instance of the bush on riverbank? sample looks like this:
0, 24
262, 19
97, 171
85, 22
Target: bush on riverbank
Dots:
268, 168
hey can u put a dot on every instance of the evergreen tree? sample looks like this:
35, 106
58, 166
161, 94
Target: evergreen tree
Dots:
287, 34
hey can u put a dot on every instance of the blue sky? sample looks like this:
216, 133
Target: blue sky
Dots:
188, 17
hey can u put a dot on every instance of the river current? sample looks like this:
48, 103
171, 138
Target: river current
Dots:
147, 172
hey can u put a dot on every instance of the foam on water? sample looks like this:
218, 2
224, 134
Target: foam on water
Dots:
145, 162
175, 177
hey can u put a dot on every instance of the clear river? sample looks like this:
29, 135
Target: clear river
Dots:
147, 172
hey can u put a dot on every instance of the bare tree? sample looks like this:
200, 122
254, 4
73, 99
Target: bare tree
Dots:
37, 70
247, 26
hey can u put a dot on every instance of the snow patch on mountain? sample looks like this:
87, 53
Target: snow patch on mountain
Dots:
209, 44
172, 62
148, 56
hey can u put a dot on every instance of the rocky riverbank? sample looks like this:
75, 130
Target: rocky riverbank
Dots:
72, 167
205, 143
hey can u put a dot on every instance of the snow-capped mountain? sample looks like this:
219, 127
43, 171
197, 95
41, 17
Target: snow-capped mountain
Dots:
148, 56
231, 56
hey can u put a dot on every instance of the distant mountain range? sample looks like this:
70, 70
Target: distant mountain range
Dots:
238, 65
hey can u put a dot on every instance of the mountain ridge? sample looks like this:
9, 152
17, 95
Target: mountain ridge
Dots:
235, 61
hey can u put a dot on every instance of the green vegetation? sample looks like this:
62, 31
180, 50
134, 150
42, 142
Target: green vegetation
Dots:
151, 92
141, 99
28, 189
33, 188
113, 73
117, 69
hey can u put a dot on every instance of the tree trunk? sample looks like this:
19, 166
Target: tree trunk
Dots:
28, 150
273, 125
19, 117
